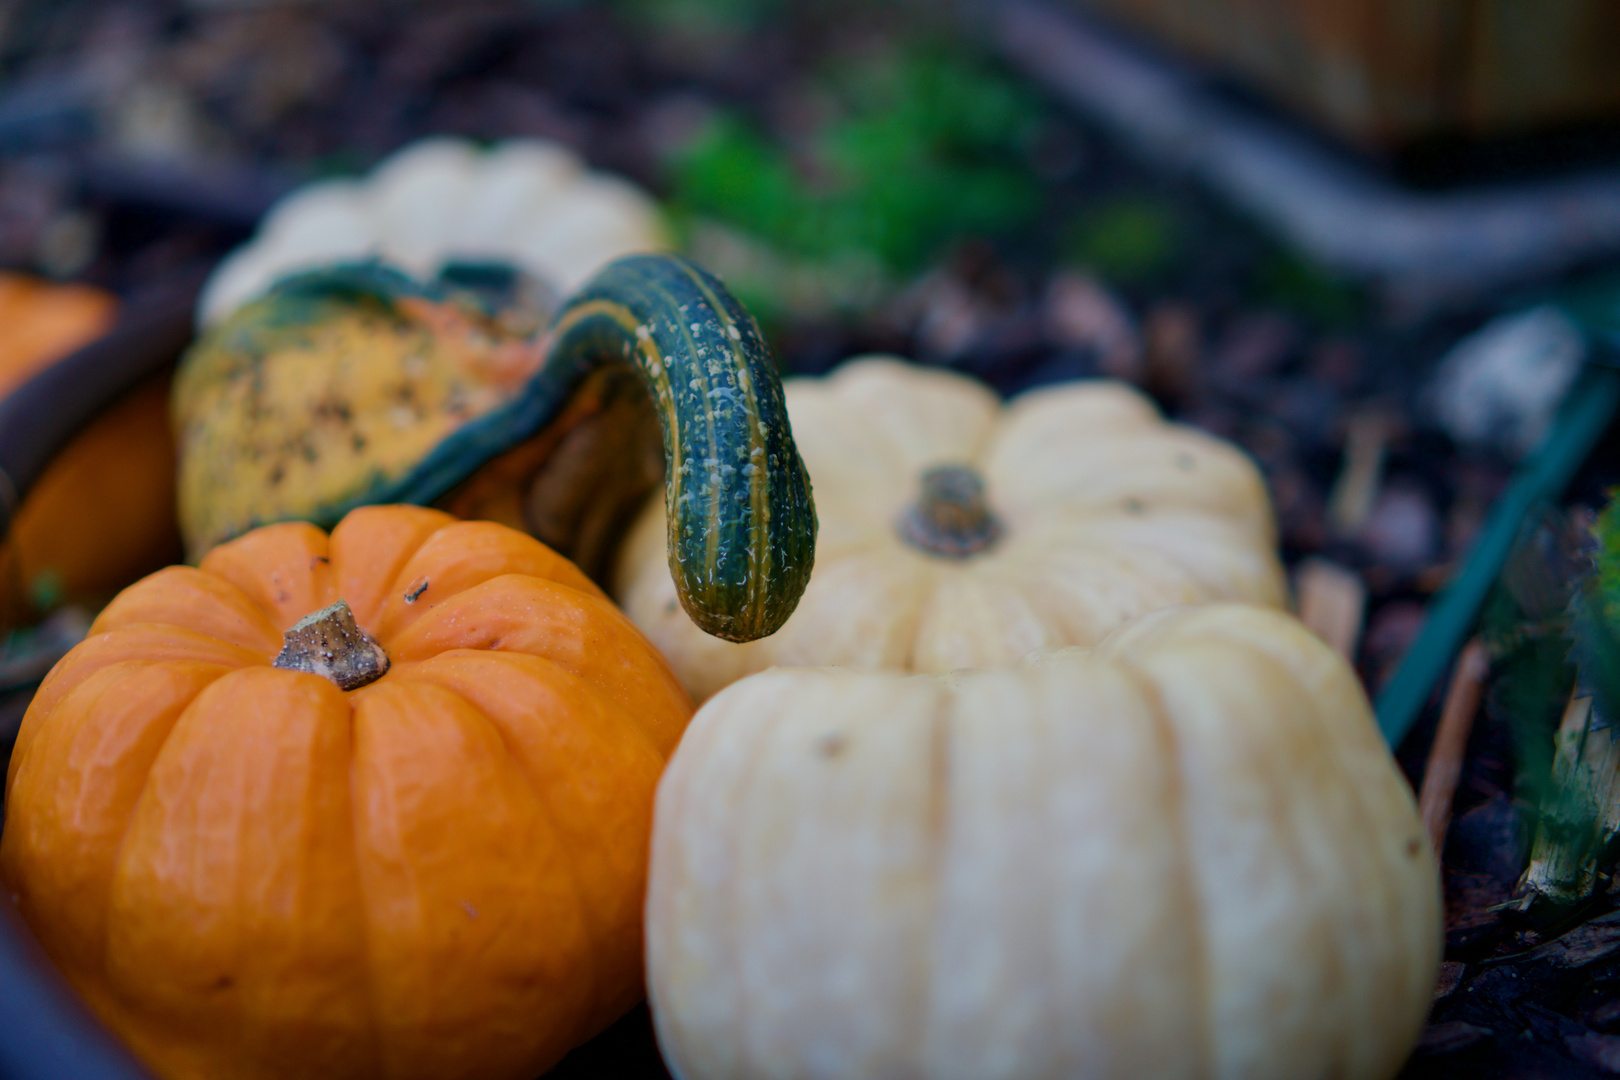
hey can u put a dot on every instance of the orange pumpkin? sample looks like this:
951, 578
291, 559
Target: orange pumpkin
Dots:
101, 515
250, 872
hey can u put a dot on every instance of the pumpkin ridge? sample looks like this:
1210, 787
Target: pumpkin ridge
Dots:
100, 683
1289, 833
121, 854
422, 588
50, 693
569, 866
146, 777
1261, 571
406, 645
1288, 837
936, 817
398, 865
922, 594
766, 732
401, 556
255, 562
1199, 962
1068, 570
1358, 804
1341, 1055
427, 671
369, 998
182, 579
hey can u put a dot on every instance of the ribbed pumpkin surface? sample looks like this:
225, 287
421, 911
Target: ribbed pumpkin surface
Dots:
248, 872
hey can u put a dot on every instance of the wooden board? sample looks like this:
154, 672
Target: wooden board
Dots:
1384, 73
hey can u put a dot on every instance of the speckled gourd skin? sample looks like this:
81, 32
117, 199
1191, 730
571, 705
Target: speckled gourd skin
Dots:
357, 385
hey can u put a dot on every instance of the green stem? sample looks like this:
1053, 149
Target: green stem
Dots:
329, 643
951, 517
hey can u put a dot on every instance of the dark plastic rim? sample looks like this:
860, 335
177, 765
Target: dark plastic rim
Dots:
48, 1034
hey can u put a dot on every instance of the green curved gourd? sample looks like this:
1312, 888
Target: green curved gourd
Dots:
742, 525
356, 384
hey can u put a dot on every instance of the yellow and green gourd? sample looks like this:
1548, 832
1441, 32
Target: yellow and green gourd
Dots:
358, 384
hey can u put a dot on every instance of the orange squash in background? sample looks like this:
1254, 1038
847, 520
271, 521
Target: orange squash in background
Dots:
249, 872
100, 516
42, 323
102, 513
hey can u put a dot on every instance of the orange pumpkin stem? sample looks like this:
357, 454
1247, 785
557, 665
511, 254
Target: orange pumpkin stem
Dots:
331, 644
951, 516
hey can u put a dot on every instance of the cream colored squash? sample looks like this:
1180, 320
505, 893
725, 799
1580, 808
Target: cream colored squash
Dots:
527, 202
1093, 510
1185, 853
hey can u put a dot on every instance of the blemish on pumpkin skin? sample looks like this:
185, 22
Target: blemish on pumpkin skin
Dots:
414, 593
472, 912
832, 745
317, 560
224, 982
1414, 847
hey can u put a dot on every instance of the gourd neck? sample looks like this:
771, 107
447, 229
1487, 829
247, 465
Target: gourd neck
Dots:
331, 644
951, 517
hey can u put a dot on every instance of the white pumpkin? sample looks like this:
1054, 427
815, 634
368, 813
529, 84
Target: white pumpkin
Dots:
1093, 510
1184, 854
528, 202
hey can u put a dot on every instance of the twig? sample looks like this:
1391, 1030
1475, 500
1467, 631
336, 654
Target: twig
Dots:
1444, 768
1356, 490
1331, 601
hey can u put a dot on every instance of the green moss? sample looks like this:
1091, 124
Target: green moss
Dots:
920, 146
1127, 240
724, 18
1292, 282
46, 591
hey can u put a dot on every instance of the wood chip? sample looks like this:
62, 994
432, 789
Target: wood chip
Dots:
1451, 973
1356, 489
1444, 1038
1332, 601
1581, 946
1445, 763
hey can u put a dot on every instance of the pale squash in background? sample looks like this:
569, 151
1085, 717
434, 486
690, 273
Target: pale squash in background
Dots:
528, 202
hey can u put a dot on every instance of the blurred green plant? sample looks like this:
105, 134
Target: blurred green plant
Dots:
1292, 282
921, 144
712, 17
1553, 624
1525, 623
1128, 240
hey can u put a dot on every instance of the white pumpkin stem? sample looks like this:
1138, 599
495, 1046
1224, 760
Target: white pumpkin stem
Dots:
331, 644
951, 516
